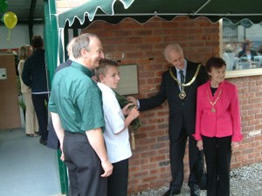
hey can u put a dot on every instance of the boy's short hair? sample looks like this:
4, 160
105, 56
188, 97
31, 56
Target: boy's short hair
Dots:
103, 67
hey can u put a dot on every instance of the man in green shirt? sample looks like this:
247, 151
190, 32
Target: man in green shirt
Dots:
76, 110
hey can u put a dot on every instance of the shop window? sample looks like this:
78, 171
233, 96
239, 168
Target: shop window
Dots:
242, 48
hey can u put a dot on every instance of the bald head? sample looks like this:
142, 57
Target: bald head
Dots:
172, 48
87, 50
174, 55
82, 42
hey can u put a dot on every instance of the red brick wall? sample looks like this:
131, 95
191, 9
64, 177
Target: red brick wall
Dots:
250, 96
143, 44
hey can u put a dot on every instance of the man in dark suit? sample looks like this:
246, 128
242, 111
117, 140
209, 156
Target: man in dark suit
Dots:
247, 51
179, 87
52, 140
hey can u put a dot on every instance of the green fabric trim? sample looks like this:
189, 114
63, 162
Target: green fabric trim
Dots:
90, 8
51, 37
135, 124
141, 10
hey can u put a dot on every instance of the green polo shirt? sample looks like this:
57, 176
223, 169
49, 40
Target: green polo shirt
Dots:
76, 98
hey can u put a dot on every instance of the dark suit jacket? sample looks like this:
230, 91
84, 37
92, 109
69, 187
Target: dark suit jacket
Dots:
182, 113
243, 54
52, 140
34, 72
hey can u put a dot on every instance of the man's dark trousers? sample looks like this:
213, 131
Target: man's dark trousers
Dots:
39, 102
84, 166
177, 152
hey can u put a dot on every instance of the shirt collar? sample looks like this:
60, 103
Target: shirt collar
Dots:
184, 69
105, 88
221, 85
82, 68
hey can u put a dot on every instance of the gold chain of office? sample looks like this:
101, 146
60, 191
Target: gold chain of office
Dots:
213, 109
182, 93
190, 82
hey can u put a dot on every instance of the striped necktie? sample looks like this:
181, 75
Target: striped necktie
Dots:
182, 77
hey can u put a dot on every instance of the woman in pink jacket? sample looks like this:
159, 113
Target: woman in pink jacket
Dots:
218, 126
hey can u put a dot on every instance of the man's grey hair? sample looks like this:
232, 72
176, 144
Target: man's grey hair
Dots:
82, 42
172, 47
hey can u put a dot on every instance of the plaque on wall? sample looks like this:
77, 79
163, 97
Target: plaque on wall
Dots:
128, 80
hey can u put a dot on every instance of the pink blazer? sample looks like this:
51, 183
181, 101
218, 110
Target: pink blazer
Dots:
224, 119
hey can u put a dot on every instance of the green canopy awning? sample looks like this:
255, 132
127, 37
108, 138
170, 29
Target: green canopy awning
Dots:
114, 11
88, 10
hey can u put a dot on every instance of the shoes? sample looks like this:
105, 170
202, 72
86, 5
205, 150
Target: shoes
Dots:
44, 142
32, 135
194, 190
172, 192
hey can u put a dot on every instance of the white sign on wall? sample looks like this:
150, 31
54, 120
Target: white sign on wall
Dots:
3, 75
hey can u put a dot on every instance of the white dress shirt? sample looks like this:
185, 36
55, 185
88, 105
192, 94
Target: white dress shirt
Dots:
117, 144
184, 72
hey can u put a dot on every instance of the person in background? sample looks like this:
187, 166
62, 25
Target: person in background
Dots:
31, 124
247, 51
34, 75
229, 57
218, 126
259, 51
16, 61
116, 127
178, 87
70, 56
52, 140
77, 115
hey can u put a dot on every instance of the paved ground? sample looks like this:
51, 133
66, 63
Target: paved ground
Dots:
245, 181
27, 168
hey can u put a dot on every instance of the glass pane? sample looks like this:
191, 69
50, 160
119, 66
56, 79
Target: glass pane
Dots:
242, 45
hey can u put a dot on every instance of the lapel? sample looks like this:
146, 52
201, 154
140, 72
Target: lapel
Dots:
190, 71
176, 87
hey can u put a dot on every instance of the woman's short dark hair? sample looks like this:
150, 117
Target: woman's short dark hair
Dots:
214, 62
37, 41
